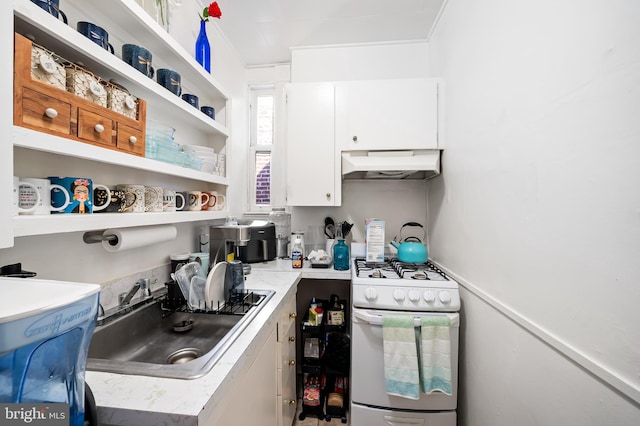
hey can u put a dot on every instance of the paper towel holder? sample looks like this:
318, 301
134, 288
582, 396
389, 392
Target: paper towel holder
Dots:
94, 237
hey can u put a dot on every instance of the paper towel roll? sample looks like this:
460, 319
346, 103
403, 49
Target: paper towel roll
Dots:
130, 238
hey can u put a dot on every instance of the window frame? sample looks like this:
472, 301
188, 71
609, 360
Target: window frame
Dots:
255, 91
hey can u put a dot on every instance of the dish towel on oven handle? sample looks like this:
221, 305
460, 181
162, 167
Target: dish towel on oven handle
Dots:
401, 373
435, 356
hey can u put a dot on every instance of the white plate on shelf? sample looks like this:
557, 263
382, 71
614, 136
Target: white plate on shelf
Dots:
214, 289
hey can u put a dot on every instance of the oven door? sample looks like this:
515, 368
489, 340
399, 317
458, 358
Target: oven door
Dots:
367, 372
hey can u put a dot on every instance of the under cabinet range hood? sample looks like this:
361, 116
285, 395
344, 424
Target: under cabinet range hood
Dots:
416, 164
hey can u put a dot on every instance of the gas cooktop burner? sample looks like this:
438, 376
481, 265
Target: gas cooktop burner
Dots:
393, 268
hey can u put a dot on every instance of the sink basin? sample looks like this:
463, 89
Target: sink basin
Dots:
184, 345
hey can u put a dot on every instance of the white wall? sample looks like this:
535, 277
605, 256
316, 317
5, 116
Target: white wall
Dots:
65, 256
537, 208
395, 202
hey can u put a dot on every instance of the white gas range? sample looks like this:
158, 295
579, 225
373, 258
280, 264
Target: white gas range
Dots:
394, 288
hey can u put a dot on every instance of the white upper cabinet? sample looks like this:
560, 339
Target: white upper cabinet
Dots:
313, 172
387, 114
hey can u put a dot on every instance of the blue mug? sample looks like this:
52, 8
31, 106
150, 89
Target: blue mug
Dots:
78, 190
170, 80
192, 99
53, 7
96, 34
210, 111
139, 58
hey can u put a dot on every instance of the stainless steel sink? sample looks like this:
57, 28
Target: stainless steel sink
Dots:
185, 345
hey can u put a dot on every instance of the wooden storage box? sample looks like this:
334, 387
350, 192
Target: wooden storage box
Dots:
41, 106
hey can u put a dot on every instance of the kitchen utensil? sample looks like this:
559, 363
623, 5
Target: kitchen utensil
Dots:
346, 228
329, 227
411, 249
214, 289
183, 277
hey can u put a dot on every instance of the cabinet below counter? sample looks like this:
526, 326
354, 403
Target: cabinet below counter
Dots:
133, 400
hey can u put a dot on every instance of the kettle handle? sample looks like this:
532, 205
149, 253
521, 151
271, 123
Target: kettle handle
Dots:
424, 232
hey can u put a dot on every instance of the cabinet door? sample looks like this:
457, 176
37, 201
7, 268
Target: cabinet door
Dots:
387, 114
312, 176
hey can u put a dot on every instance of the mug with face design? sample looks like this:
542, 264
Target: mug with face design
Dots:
39, 196
139, 202
79, 190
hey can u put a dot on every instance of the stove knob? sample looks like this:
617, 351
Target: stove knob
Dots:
444, 297
370, 294
398, 295
429, 296
414, 295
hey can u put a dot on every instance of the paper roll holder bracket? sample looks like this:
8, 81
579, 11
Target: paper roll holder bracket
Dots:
94, 237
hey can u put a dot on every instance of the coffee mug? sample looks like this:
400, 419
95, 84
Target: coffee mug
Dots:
51, 6
195, 199
78, 189
118, 202
139, 58
170, 200
101, 198
17, 195
220, 200
137, 203
96, 34
209, 110
153, 198
191, 99
41, 197
170, 80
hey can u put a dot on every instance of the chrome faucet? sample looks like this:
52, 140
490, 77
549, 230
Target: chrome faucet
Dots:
125, 298
145, 288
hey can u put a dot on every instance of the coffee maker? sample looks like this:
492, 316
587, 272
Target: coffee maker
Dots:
225, 241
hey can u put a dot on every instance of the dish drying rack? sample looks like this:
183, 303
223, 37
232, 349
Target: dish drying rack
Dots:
241, 302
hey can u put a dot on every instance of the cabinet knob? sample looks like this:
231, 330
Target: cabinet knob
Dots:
51, 112
328, 195
292, 362
291, 402
292, 338
355, 139
292, 315
99, 128
133, 139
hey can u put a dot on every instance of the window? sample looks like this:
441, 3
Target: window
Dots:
262, 141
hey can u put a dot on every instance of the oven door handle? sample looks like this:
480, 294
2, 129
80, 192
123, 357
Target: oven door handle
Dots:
374, 319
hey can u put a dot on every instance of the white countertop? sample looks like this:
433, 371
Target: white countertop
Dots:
133, 400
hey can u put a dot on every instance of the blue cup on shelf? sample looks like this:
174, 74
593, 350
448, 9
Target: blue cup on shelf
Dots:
52, 7
96, 34
210, 111
192, 99
139, 58
170, 80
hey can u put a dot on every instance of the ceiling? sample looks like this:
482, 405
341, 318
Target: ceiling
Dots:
262, 31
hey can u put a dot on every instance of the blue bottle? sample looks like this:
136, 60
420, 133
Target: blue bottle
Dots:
341, 256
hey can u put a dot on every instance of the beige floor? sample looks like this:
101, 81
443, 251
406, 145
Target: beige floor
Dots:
314, 421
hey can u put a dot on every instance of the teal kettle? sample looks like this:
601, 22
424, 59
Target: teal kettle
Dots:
411, 249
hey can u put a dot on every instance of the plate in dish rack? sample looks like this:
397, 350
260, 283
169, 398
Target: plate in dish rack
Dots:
214, 289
